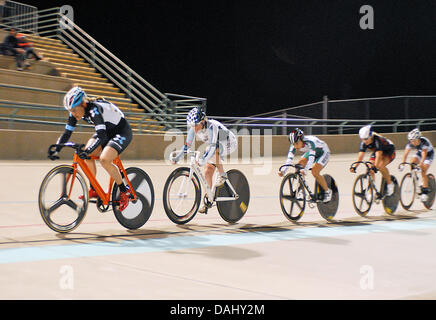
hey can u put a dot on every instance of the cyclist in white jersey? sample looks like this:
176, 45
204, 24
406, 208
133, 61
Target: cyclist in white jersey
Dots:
112, 135
316, 156
220, 143
423, 157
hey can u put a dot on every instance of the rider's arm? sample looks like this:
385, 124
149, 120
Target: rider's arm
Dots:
100, 129
291, 154
423, 156
69, 128
310, 160
188, 143
212, 144
406, 152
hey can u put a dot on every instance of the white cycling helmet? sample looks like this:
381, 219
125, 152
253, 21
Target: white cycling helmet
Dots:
73, 98
365, 132
414, 134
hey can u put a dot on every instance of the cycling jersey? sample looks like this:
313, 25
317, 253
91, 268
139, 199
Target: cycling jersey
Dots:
110, 126
217, 136
379, 143
315, 151
424, 144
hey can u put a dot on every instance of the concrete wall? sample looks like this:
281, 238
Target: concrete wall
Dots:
33, 145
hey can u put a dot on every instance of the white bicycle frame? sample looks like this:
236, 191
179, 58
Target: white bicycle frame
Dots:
210, 192
416, 179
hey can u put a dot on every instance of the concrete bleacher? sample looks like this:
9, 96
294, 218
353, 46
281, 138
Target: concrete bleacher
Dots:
45, 82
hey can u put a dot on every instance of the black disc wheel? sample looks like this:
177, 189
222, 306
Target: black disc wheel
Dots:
328, 209
431, 195
390, 203
137, 213
233, 210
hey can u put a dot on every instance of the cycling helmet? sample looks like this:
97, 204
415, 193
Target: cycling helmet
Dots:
195, 116
414, 134
73, 98
296, 135
365, 132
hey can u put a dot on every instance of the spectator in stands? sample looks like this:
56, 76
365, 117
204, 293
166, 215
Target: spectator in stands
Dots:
10, 47
27, 46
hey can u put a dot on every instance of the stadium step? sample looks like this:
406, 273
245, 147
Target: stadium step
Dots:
52, 47
105, 93
86, 85
65, 60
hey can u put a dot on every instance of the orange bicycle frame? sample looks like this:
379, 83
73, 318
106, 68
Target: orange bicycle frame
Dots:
104, 196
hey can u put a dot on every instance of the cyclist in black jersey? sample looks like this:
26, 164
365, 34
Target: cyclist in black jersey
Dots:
113, 135
383, 153
423, 157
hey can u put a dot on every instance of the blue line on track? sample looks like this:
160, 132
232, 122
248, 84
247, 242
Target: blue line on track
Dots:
43, 253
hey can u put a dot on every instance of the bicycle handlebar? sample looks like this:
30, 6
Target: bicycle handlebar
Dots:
75, 146
369, 165
413, 166
297, 167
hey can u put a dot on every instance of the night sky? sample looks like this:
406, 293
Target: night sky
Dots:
248, 57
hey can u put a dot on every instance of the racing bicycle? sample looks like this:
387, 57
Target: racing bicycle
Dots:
182, 193
365, 191
295, 193
63, 196
410, 187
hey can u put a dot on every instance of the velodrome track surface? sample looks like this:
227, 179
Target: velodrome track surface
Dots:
264, 256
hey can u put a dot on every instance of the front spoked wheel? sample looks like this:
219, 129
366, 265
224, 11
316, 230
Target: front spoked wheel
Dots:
181, 196
292, 197
407, 191
59, 204
232, 211
363, 195
137, 213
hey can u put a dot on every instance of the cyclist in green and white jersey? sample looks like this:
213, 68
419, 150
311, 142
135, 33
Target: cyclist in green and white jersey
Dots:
316, 156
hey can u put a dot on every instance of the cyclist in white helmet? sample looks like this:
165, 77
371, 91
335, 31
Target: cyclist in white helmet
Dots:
112, 135
220, 142
423, 157
383, 153
316, 156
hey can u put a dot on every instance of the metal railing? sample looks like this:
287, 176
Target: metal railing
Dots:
53, 24
280, 125
19, 15
343, 116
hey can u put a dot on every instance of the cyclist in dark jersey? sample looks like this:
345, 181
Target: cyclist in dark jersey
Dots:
423, 157
113, 135
383, 153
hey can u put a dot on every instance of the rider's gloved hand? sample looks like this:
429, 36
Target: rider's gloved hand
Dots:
176, 158
401, 167
298, 166
83, 155
53, 155
353, 169
201, 162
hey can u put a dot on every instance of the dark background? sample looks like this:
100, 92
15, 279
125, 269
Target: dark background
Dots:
248, 57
